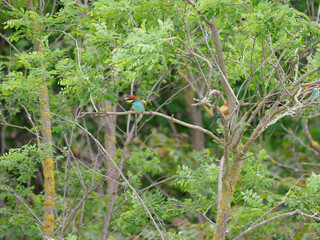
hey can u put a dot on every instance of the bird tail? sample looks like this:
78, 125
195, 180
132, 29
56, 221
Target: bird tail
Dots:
216, 117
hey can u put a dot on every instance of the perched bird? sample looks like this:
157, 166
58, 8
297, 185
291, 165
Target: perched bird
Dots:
138, 104
308, 92
224, 109
312, 94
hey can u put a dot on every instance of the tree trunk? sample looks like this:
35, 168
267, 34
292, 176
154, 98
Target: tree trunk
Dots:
228, 186
110, 145
113, 191
46, 148
195, 117
110, 129
230, 175
48, 164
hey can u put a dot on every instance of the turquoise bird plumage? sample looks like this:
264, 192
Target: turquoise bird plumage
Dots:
216, 117
138, 104
313, 94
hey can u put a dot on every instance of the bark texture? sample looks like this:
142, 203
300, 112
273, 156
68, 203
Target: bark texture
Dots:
48, 164
195, 117
110, 145
113, 191
231, 174
228, 185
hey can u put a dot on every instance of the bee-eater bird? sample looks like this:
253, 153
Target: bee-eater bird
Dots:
224, 109
312, 94
138, 104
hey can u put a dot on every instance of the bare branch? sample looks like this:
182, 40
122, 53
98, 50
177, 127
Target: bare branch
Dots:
297, 211
102, 114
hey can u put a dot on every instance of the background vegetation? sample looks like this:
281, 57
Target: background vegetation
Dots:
75, 163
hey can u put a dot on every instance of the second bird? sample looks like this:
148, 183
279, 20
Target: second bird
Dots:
224, 109
312, 94
138, 104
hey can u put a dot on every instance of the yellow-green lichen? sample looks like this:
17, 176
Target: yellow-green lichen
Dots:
314, 143
47, 115
44, 90
51, 191
48, 224
49, 132
48, 203
48, 163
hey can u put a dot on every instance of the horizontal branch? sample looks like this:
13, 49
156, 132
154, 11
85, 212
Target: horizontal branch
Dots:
172, 119
297, 211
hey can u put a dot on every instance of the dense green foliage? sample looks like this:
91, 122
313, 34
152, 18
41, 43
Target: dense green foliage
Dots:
102, 51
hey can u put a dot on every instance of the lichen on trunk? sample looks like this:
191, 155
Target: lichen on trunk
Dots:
228, 187
48, 163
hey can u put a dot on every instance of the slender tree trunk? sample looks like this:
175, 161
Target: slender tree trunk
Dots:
110, 145
114, 185
195, 117
231, 174
48, 163
110, 129
228, 186
113, 191
3, 139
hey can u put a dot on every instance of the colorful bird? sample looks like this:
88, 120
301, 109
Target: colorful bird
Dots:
312, 94
138, 104
308, 92
224, 109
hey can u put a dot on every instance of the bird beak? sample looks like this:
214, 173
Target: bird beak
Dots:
128, 100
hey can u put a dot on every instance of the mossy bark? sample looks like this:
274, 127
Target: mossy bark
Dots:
224, 211
48, 163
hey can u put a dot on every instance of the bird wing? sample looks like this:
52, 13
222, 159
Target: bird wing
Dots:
314, 95
138, 106
308, 93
